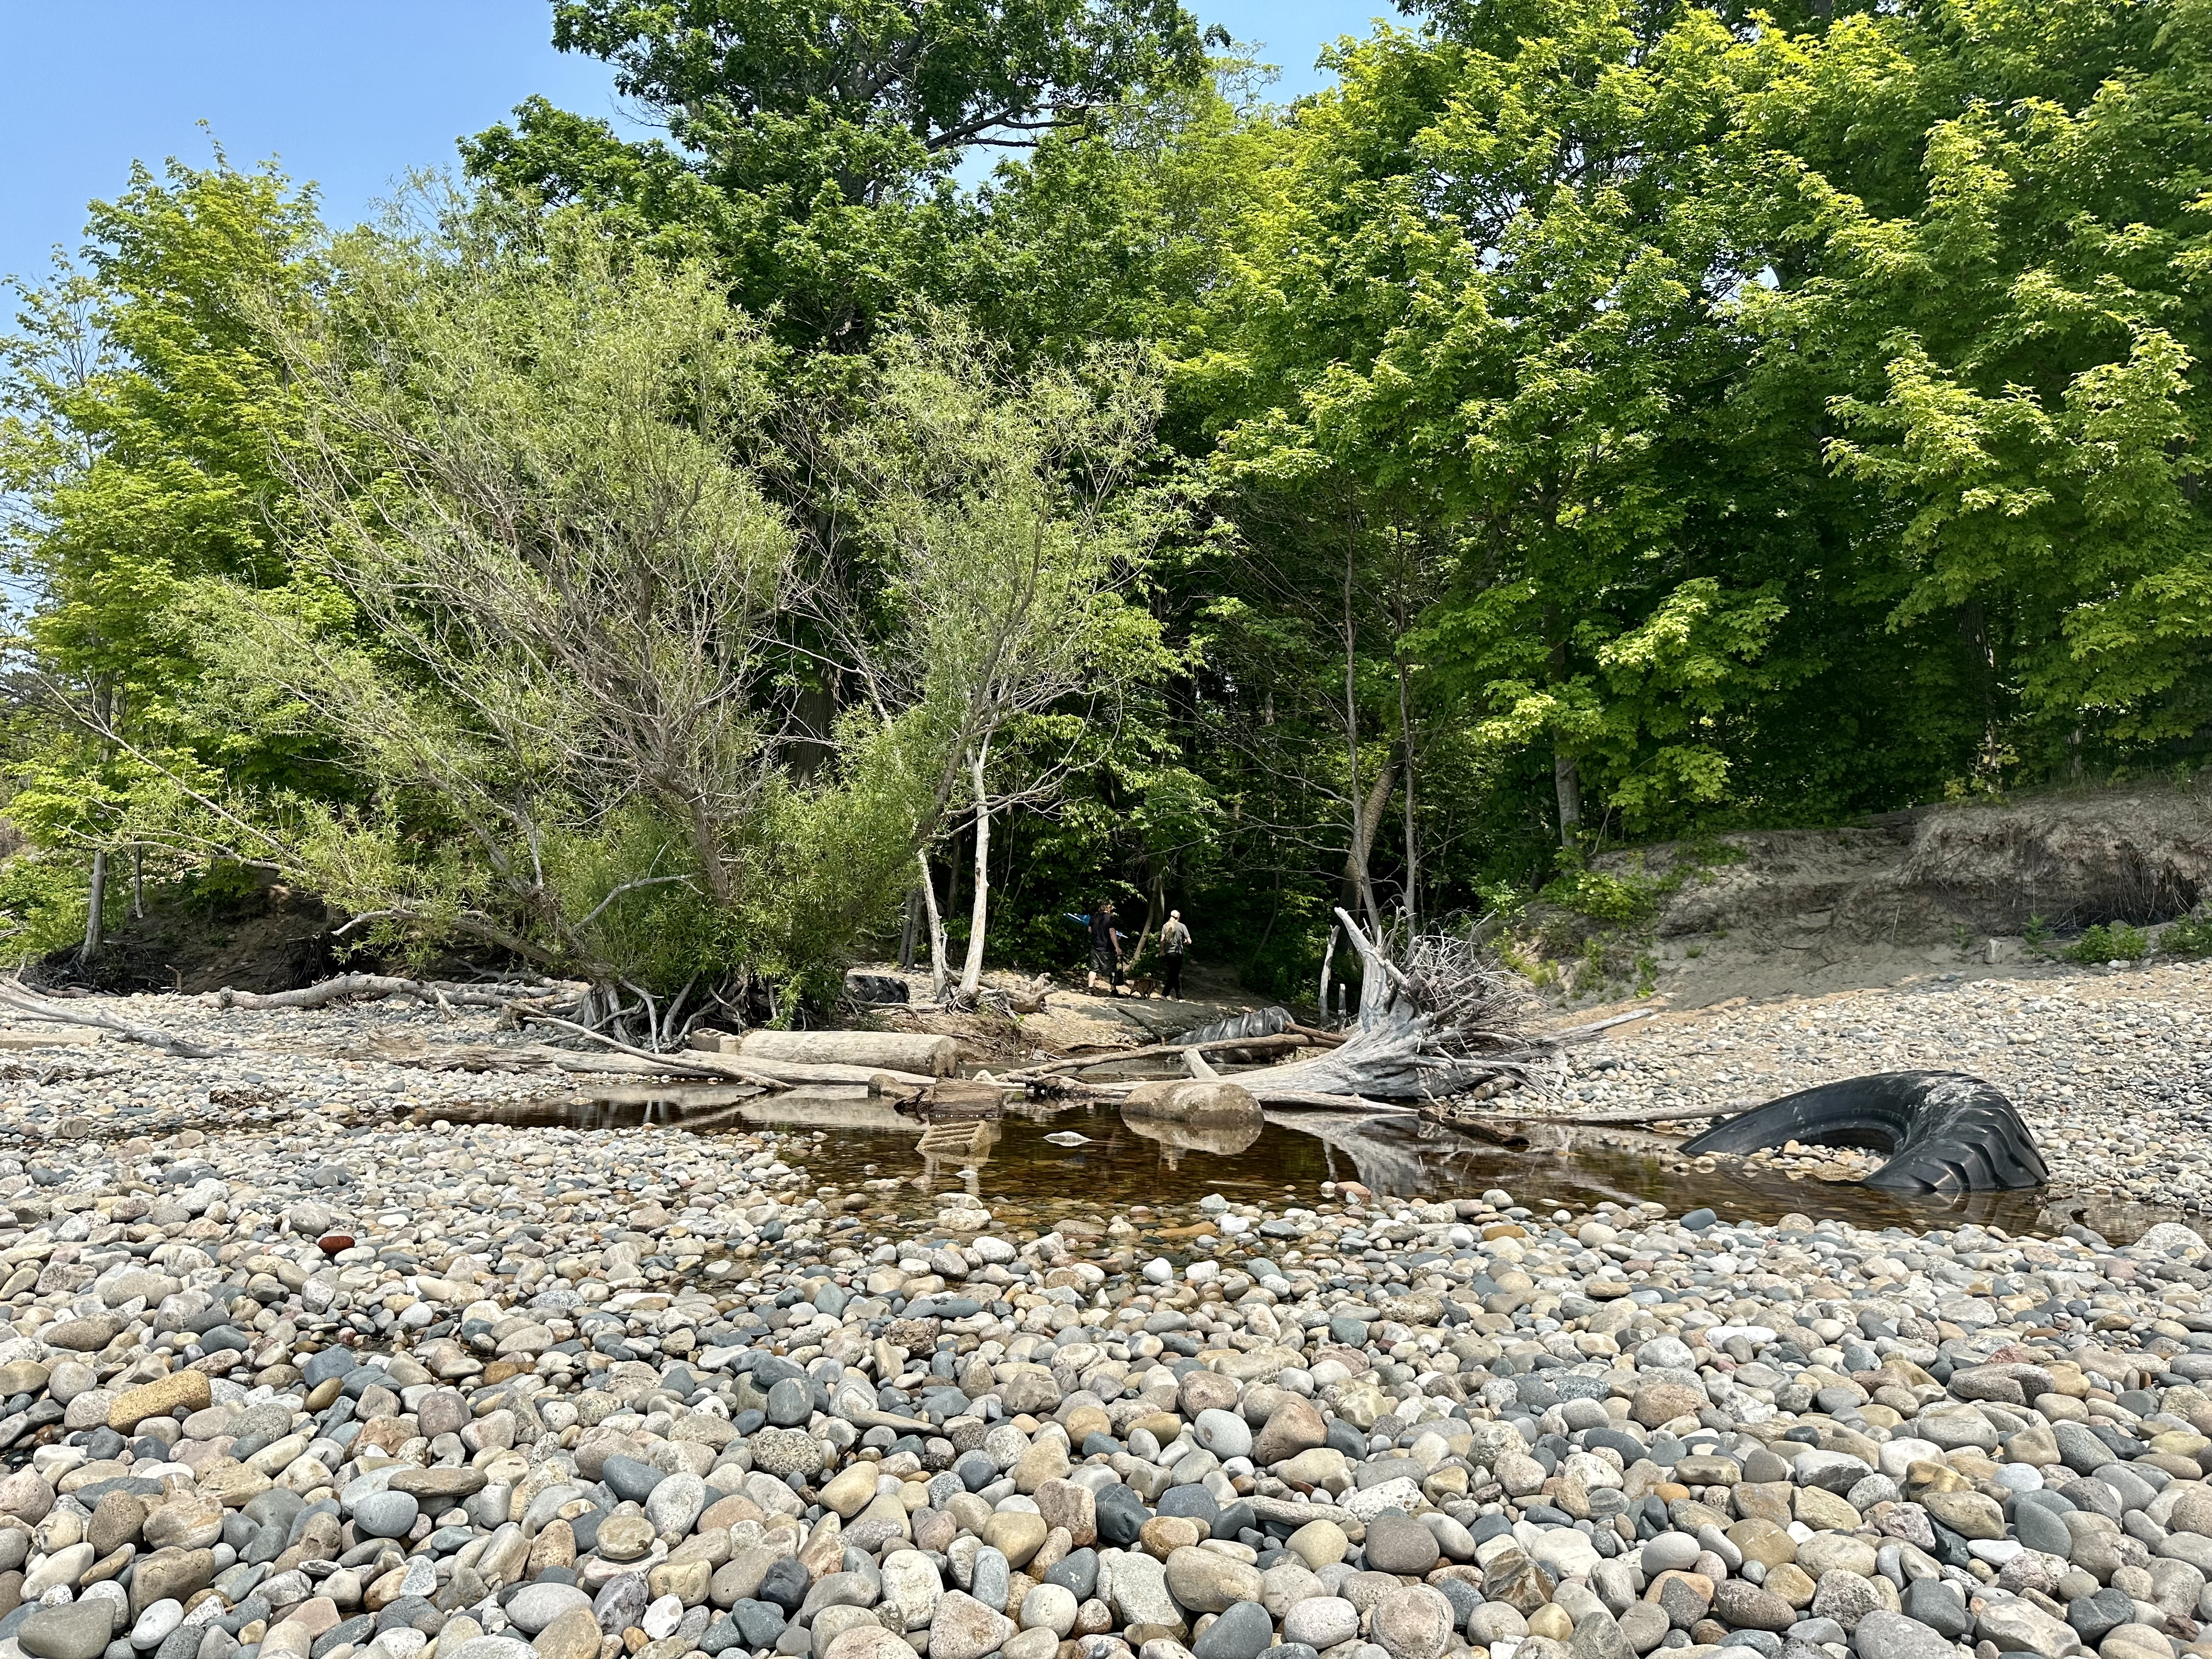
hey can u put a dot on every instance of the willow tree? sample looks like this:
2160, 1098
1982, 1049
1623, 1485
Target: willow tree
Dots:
540, 605
994, 540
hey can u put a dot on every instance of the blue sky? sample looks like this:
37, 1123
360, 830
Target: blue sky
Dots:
349, 94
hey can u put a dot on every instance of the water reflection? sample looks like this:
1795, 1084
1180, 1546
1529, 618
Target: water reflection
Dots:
1151, 1162
1215, 1140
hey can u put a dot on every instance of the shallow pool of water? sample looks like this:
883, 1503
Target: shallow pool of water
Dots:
1121, 1163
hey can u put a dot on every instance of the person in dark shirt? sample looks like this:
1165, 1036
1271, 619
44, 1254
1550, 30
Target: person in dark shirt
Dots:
1105, 949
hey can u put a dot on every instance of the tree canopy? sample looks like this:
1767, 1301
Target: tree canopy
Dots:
1577, 423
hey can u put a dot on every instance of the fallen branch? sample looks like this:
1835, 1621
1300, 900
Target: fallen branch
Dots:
525, 1057
1575, 1033
29, 1004
1265, 1045
1598, 1119
622, 1061
1067, 1089
1295, 1100
371, 987
745, 1068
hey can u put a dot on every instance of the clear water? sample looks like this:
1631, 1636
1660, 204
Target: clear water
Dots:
1128, 1163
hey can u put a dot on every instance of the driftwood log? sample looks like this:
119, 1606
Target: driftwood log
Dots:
371, 988
618, 1060
922, 1052
27, 1004
1268, 1045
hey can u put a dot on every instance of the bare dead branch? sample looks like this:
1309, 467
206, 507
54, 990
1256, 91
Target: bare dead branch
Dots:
29, 1005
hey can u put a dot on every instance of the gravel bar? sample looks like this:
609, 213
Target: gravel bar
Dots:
287, 1379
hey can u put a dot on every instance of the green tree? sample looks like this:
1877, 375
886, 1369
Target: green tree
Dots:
812, 148
1811, 419
984, 588
143, 411
522, 494
1493, 297
1991, 244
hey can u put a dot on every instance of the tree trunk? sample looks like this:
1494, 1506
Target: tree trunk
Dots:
1567, 785
138, 883
1363, 822
1328, 956
938, 971
909, 928
1413, 847
971, 974
95, 915
1367, 821
900, 1051
1566, 773
955, 866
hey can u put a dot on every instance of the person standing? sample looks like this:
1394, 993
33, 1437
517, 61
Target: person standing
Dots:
1174, 941
1105, 948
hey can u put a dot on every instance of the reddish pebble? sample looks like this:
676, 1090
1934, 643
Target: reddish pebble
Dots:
332, 1244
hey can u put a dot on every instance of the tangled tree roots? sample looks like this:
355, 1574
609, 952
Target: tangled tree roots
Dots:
1448, 1019
1945, 1131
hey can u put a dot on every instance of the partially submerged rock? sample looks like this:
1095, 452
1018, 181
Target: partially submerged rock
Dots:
1199, 1102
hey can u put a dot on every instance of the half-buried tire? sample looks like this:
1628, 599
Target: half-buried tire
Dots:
1945, 1131
1257, 1023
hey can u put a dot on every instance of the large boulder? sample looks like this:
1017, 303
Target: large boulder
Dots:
1198, 1102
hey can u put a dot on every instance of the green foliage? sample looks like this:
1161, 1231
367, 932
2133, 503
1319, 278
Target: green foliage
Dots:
1755, 394
1583, 423
1599, 895
224, 885
142, 413
2005, 218
522, 473
812, 148
42, 905
2191, 936
2116, 941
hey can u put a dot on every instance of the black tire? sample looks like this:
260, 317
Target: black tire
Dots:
1945, 1131
874, 990
1259, 1023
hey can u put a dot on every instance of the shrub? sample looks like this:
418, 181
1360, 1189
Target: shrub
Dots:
2109, 942
42, 905
2189, 937
1601, 897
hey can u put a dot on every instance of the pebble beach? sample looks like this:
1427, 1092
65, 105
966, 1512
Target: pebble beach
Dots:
300, 1361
